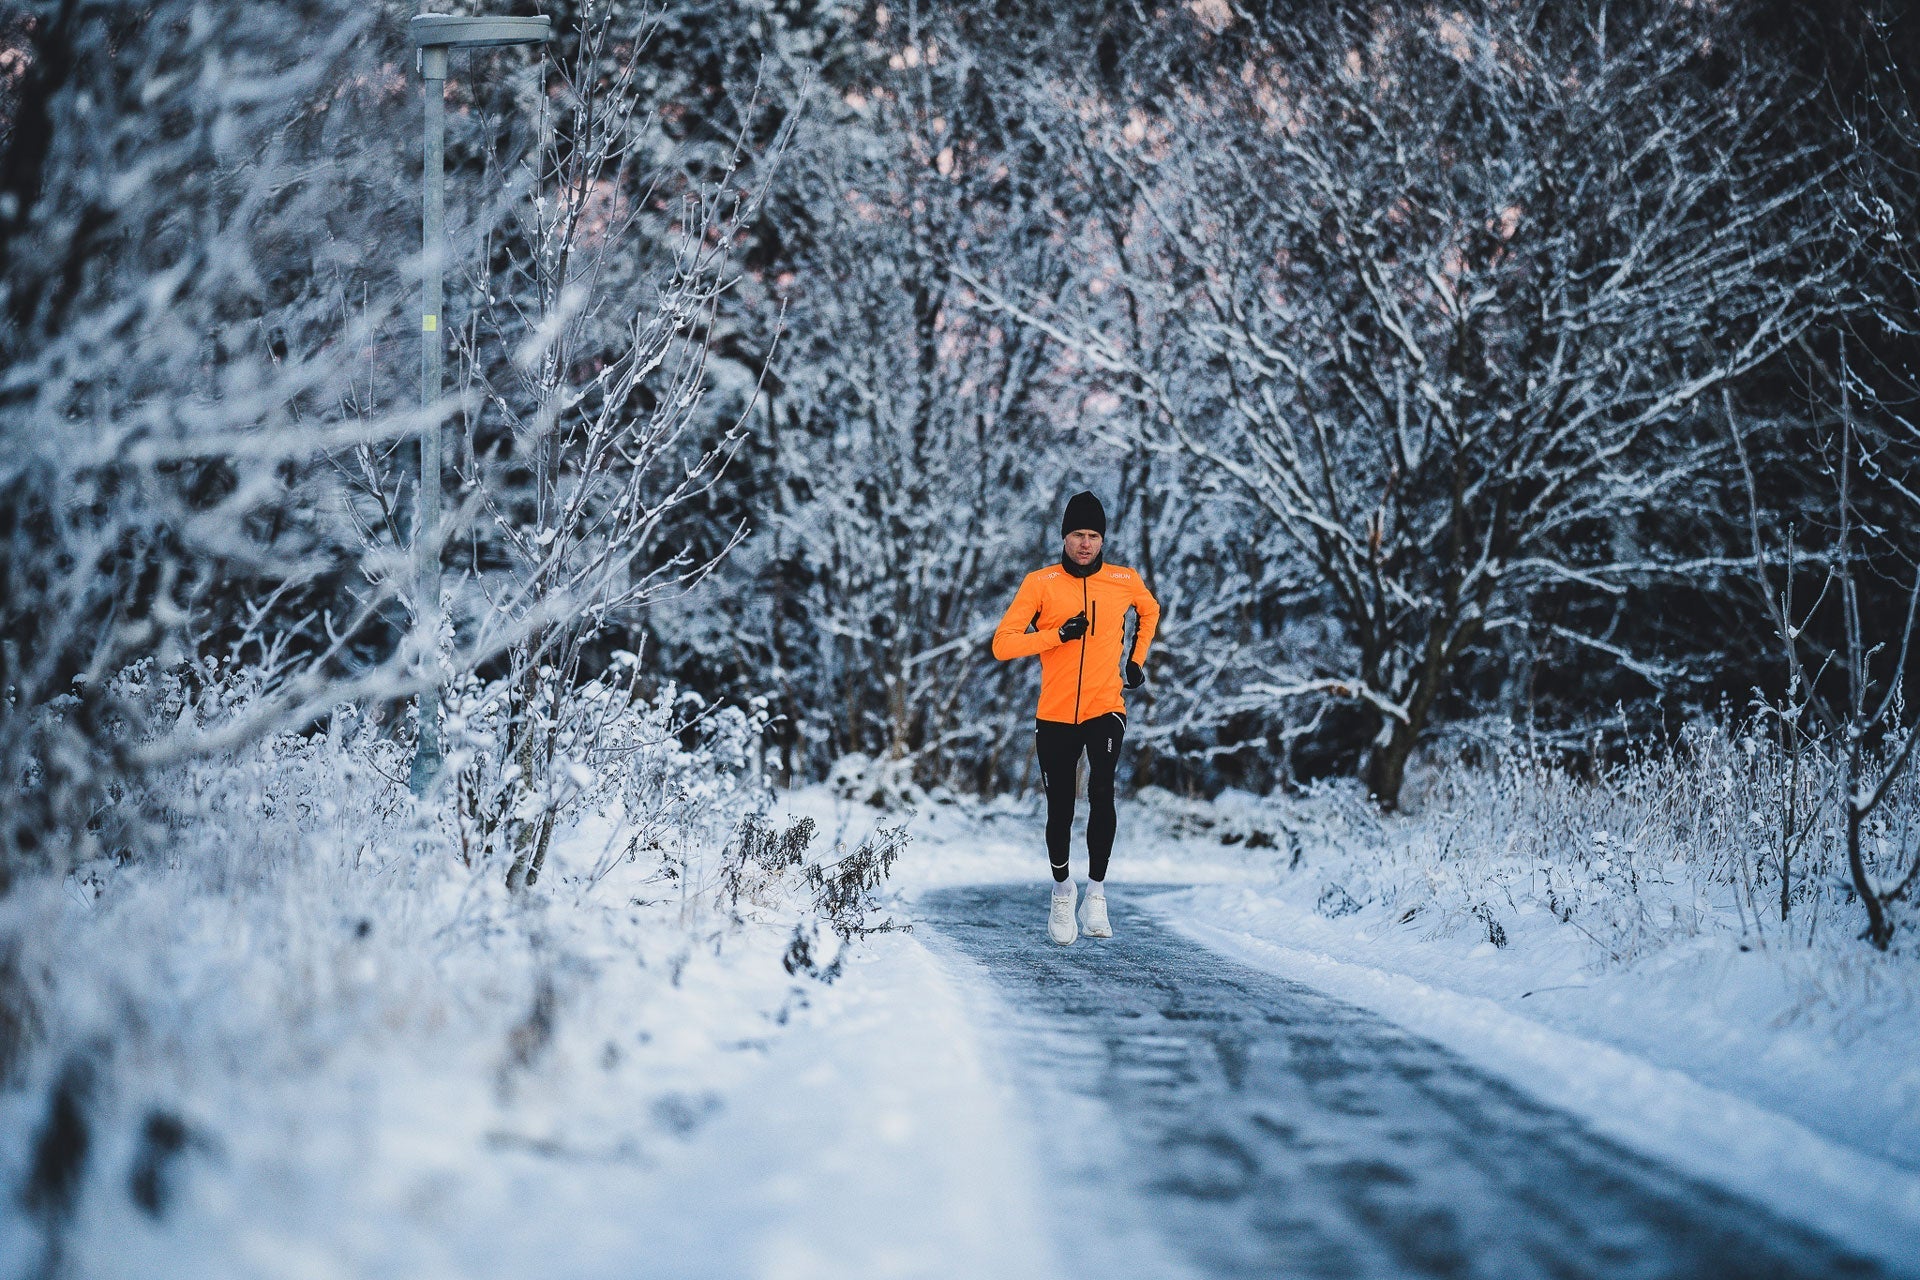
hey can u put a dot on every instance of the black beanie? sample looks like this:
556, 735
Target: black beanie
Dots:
1084, 512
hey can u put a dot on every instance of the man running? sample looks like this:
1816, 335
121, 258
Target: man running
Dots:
1057, 617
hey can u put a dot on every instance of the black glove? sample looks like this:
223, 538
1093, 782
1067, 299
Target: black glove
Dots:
1073, 628
1135, 676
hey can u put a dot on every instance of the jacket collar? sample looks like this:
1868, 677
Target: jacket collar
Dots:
1087, 570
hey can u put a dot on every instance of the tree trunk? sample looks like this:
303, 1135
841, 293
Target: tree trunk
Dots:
523, 835
899, 716
1387, 768
1879, 927
540, 844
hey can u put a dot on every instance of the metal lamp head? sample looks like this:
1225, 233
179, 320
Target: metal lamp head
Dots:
450, 32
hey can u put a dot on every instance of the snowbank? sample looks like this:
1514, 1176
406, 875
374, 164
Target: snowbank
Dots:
310, 1041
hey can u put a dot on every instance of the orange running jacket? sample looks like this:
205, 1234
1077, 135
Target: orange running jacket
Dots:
1079, 679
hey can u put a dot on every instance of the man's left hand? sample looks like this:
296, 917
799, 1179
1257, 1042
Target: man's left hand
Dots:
1135, 676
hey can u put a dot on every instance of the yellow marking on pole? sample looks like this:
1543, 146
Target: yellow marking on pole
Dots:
429, 323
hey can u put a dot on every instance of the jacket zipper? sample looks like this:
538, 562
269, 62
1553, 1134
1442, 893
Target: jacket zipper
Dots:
1080, 677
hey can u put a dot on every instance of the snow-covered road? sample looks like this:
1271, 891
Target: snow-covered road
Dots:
1229, 1122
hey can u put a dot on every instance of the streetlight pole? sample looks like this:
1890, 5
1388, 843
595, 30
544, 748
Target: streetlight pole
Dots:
434, 34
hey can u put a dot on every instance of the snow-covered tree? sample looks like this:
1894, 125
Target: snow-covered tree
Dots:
1831, 501
909, 461
1447, 300
198, 208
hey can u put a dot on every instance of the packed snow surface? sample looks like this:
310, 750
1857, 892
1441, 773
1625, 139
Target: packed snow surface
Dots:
677, 1103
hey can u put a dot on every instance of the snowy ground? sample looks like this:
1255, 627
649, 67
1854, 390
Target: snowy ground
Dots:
694, 1110
1775, 1072
1738, 1064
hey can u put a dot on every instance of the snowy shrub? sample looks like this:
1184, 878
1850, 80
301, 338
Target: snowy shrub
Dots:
1723, 830
656, 765
846, 889
1327, 814
1231, 818
771, 874
236, 815
883, 783
260, 910
758, 856
286, 919
845, 899
1334, 901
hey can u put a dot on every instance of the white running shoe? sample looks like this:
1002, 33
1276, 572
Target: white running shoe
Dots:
1060, 926
1093, 917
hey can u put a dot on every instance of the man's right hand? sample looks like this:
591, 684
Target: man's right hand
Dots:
1073, 628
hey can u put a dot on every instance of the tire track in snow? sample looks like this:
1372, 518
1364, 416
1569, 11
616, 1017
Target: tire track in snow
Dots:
1270, 1130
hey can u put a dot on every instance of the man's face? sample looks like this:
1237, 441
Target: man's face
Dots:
1083, 545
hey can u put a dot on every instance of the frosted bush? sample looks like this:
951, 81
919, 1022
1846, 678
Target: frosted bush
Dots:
285, 918
882, 783
1722, 830
659, 767
229, 817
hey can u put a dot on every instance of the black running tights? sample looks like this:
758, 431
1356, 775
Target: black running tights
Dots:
1059, 747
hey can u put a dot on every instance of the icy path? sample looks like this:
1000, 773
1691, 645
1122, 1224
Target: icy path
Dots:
1254, 1127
